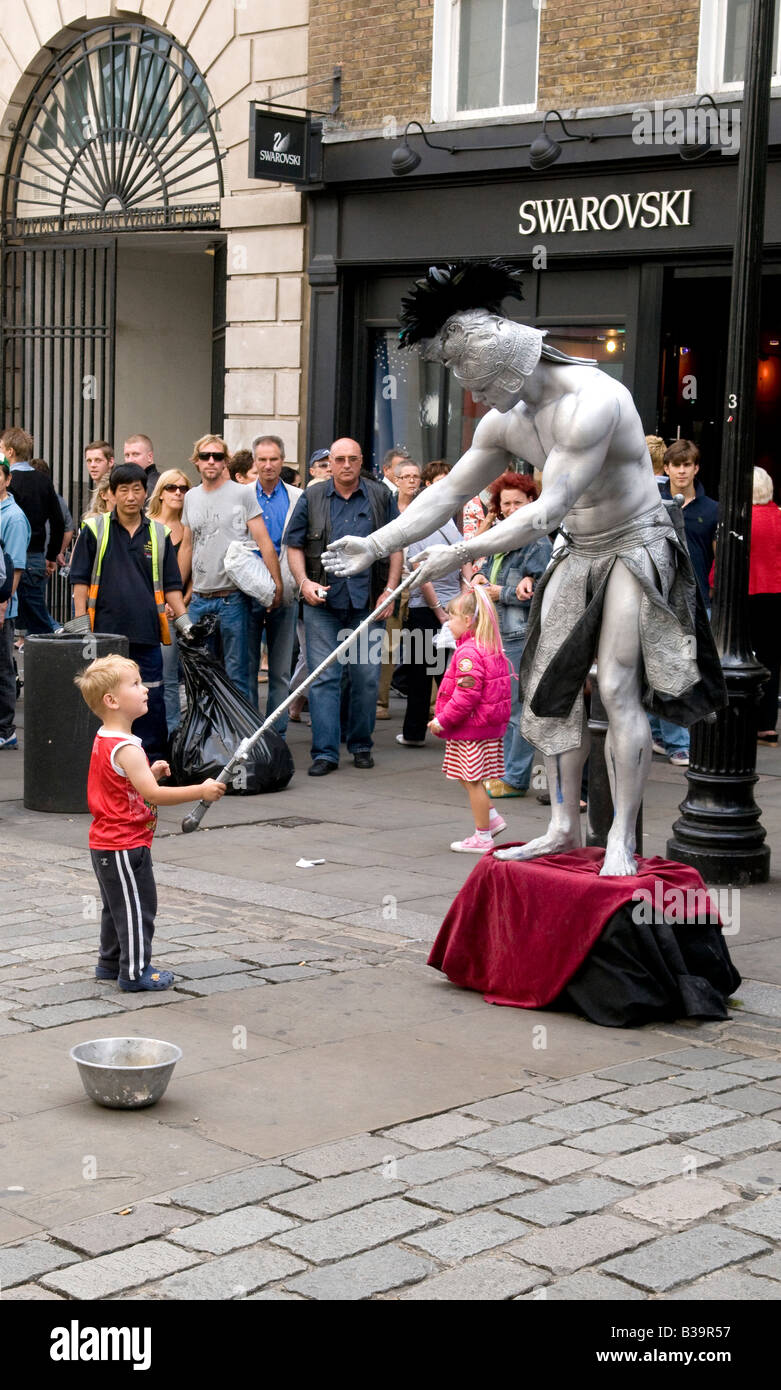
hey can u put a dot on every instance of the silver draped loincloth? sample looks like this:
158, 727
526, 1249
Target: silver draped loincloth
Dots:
666, 622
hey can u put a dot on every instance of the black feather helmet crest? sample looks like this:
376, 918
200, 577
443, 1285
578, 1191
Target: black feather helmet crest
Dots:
453, 289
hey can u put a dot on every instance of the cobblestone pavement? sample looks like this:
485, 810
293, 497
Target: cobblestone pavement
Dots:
652, 1179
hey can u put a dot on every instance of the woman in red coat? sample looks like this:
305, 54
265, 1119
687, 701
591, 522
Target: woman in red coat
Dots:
764, 604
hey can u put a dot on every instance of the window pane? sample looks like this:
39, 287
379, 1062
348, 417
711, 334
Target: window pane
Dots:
735, 40
479, 54
606, 344
520, 53
407, 400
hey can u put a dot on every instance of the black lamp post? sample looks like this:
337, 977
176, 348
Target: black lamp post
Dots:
719, 831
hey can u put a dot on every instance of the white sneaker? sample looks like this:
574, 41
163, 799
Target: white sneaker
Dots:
679, 759
659, 748
410, 742
496, 823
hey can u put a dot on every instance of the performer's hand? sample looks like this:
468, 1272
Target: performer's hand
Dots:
525, 589
160, 769
435, 561
211, 789
350, 555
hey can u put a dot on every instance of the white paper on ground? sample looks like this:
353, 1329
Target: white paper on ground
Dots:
308, 863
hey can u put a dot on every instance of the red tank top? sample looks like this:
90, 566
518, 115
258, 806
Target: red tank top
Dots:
121, 819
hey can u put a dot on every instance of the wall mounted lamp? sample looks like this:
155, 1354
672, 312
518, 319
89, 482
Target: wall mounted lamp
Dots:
697, 149
545, 151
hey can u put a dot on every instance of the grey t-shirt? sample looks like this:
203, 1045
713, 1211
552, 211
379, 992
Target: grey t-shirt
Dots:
216, 519
449, 586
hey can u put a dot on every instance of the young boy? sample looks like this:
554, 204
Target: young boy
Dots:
123, 796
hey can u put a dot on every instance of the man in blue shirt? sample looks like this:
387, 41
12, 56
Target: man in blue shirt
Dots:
277, 502
15, 535
345, 505
700, 513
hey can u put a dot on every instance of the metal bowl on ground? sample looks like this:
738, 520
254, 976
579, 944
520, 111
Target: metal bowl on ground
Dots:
125, 1073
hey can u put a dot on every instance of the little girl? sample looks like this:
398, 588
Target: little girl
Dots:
473, 711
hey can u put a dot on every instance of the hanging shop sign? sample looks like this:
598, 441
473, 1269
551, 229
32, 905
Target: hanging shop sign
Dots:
668, 207
283, 146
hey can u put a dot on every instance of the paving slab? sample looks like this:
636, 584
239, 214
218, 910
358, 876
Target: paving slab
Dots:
587, 1287
518, 1105
346, 1156
613, 1139
377, 1223
758, 1172
27, 1292
751, 1100
219, 1235
711, 1081
437, 1131
227, 1277
654, 1164
740, 1138
56, 1014
363, 1276
332, 1195
730, 1286
237, 1189
420, 1168
701, 1057
574, 1119
468, 1235
690, 1118
550, 1162
554, 1206
488, 1278
681, 1258
769, 1265
635, 1074
121, 1270
759, 1068
20, 1263
585, 1241
674, 1203
469, 1190
762, 1216
99, 1235
580, 1088
505, 1141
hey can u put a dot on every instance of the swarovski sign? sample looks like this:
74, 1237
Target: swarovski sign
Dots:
284, 146
654, 208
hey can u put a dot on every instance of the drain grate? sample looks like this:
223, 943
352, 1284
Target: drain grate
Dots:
293, 822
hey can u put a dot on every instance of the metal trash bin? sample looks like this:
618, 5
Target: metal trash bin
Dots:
59, 729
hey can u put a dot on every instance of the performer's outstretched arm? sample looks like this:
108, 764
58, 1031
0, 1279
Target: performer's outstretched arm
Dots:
431, 508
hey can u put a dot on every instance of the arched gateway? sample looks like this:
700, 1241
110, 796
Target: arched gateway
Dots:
112, 186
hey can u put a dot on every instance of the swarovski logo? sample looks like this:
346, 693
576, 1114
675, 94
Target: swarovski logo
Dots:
654, 208
75, 1343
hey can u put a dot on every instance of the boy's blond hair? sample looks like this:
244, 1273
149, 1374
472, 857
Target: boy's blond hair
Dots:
101, 678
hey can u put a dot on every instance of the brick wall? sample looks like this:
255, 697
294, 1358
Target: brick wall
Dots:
592, 53
385, 52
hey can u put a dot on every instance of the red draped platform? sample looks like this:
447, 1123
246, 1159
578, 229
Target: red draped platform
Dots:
523, 932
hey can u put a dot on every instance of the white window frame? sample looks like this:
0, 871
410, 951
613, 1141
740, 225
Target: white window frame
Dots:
710, 58
444, 69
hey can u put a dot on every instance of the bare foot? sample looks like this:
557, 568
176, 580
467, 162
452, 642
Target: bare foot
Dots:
552, 842
619, 861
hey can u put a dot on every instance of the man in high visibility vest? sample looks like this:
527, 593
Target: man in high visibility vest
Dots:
124, 571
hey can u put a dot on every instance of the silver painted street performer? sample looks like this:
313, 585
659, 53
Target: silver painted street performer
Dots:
620, 581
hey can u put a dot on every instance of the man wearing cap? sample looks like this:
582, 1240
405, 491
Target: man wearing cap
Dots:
343, 505
319, 466
620, 584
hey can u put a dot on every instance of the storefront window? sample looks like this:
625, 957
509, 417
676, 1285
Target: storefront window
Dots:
607, 345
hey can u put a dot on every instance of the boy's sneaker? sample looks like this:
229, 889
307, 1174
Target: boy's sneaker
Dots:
658, 748
479, 842
679, 759
11, 741
496, 823
151, 978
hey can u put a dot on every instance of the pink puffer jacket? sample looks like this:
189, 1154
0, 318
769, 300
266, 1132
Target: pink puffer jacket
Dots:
474, 697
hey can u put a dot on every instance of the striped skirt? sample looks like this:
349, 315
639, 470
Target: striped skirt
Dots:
469, 761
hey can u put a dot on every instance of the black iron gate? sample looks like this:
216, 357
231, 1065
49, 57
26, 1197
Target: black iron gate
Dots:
58, 327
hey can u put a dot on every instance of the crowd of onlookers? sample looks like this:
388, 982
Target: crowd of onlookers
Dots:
154, 552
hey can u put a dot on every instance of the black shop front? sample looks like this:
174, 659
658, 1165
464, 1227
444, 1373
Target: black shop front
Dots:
625, 259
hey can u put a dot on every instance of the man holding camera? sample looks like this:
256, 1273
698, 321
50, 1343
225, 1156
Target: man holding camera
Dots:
325, 512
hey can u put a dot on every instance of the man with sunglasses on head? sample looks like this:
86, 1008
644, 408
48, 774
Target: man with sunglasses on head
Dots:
214, 514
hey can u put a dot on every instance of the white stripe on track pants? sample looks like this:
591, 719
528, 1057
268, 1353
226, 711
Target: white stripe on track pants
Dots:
127, 887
